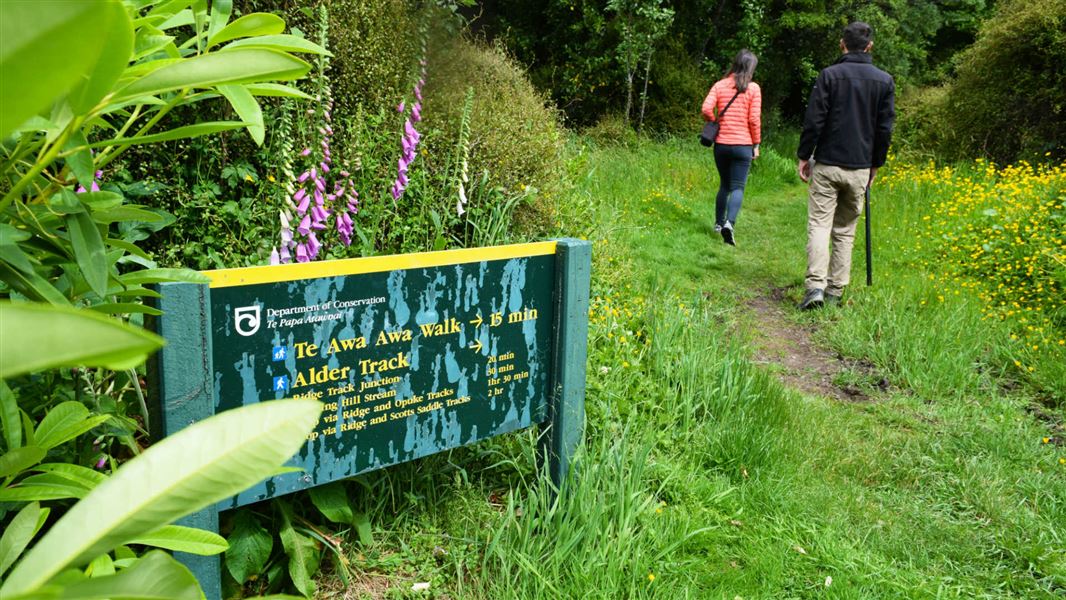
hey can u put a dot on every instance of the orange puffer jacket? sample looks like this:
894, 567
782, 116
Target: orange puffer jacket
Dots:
742, 125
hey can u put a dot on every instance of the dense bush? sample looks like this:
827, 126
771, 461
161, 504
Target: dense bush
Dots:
1008, 99
514, 135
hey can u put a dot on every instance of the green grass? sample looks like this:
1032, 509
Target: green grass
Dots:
702, 475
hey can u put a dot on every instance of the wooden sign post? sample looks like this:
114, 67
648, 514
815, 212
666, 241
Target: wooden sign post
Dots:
410, 355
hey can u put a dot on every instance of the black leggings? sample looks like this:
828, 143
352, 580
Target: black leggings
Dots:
733, 164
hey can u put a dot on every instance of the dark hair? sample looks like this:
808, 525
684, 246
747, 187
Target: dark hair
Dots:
857, 36
743, 68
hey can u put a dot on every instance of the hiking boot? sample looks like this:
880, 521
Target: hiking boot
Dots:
833, 299
727, 234
812, 299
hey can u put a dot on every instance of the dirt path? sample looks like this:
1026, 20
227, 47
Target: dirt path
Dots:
800, 362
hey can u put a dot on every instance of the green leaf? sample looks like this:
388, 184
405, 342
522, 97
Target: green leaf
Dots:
65, 422
44, 49
84, 476
200, 465
27, 282
9, 417
27, 428
128, 247
113, 58
183, 539
248, 65
247, 109
332, 501
162, 275
18, 534
100, 200
155, 576
40, 488
186, 131
124, 214
65, 202
255, 24
363, 529
137, 292
149, 40
276, 90
220, 12
123, 308
89, 250
302, 551
101, 566
35, 337
81, 162
285, 43
12, 235
19, 459
249, 547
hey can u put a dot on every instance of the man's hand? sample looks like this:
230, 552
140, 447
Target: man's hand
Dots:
873, 174
804, 170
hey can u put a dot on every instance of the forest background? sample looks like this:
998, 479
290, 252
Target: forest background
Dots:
453, 123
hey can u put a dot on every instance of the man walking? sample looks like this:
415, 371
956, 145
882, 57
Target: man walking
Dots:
846, 130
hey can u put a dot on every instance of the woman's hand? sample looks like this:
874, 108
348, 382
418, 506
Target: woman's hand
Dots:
755, 153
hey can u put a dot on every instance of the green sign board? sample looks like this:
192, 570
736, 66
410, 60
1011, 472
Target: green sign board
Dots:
409, 355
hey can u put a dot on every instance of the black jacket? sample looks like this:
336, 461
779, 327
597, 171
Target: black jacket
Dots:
850, 115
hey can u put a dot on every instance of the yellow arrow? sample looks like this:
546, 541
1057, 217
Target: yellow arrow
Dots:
478, 321
477, 346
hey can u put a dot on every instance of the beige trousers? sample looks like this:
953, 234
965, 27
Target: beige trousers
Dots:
834, 203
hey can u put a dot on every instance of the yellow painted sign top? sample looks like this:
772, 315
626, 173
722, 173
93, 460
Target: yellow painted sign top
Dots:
374, 264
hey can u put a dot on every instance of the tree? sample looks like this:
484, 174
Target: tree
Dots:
641, 23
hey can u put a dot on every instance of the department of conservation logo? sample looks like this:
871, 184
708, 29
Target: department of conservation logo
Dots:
246, 320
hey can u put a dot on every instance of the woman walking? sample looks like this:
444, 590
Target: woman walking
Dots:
735, 101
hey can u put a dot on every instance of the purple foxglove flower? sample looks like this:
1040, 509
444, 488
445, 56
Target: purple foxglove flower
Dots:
324, 166
300, 195
319, 188
312, 244
410, 131
345, 174
314, 173
396, 192
304, 176
305, 152
286, 237
402, 179
275, 258
305, 225
318, 198
416, 112
322, 130
286, 256
301, 253
100, 464
302, 206
401, 107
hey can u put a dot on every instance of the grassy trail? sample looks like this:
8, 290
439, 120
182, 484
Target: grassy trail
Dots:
917, 464
937, 484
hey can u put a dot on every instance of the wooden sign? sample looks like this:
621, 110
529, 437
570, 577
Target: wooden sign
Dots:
409, 355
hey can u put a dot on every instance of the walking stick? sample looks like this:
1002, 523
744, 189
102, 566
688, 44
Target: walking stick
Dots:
869, 251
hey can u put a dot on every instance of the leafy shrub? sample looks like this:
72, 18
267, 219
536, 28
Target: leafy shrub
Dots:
1008, 100
676, 90
514, 135
611, 129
